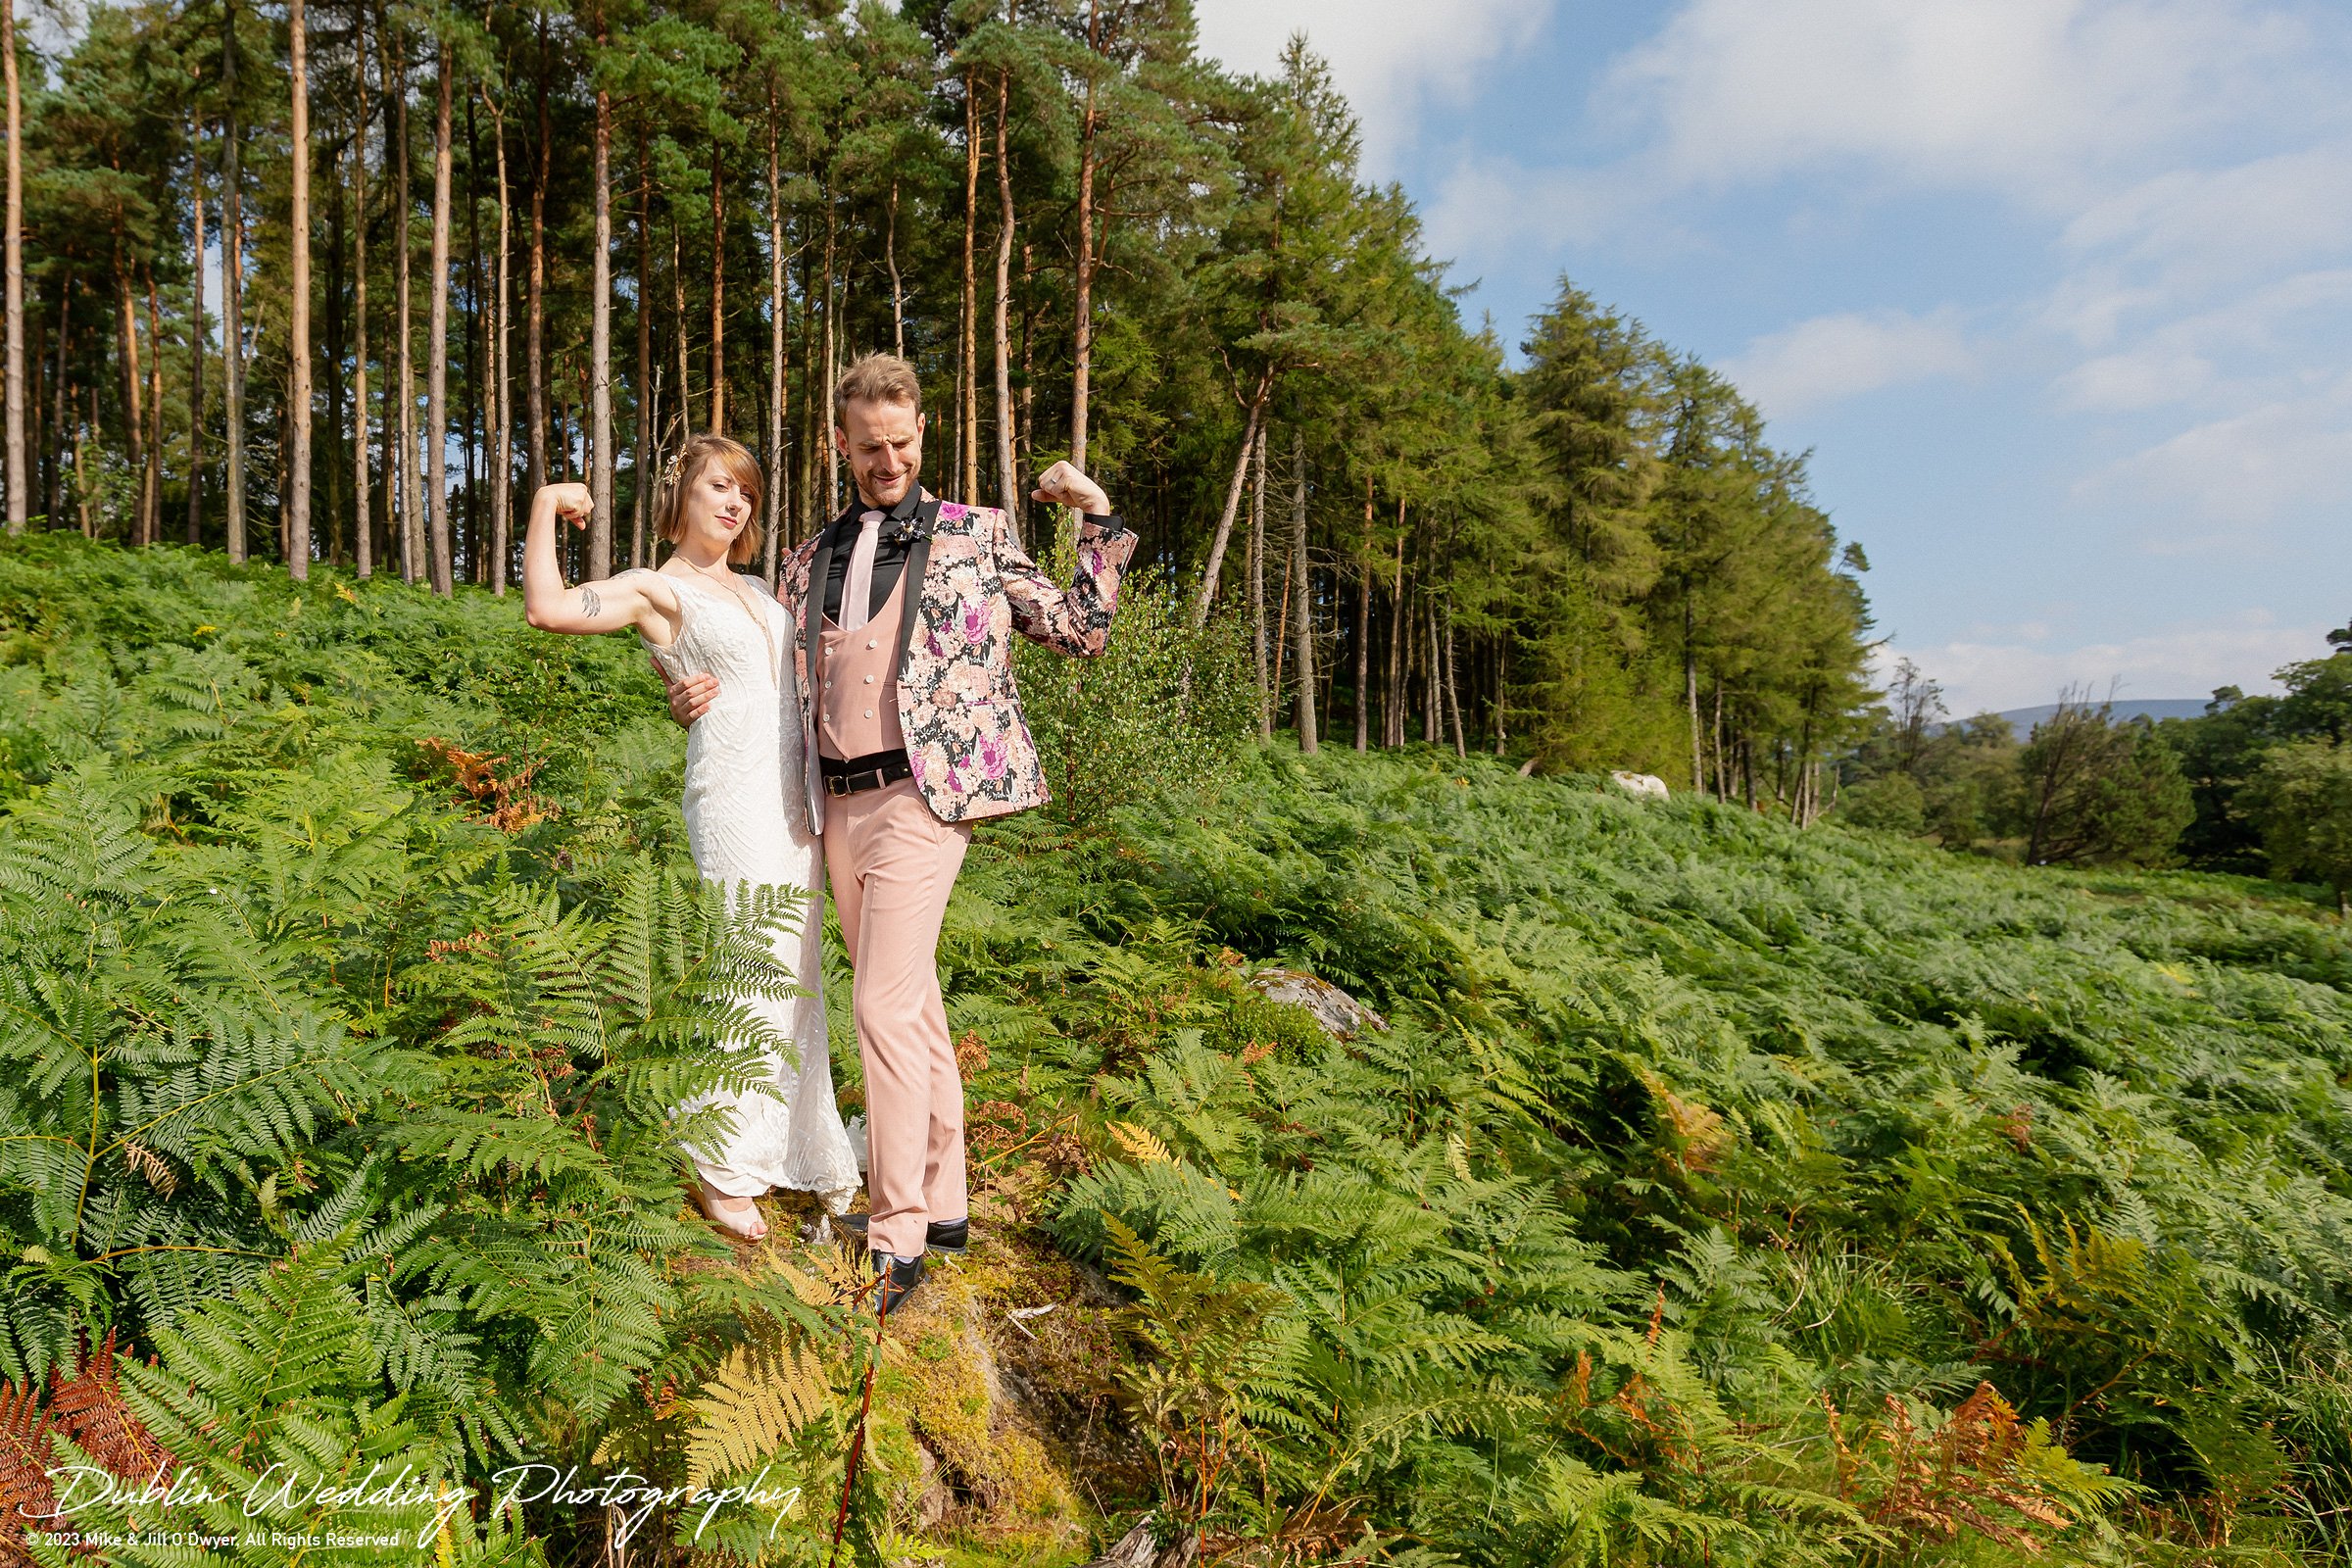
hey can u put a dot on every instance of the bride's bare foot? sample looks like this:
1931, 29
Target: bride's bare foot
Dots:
737, 1216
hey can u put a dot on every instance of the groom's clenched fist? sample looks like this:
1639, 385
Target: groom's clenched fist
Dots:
1066, 485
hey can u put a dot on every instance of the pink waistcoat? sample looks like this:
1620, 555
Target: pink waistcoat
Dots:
858, 690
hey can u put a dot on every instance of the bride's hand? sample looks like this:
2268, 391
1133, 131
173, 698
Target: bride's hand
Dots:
571, 501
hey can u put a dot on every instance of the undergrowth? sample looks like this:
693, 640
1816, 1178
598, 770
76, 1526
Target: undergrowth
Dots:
1715, 1193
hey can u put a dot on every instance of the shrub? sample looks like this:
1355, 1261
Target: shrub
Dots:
1159, 712
1891, 802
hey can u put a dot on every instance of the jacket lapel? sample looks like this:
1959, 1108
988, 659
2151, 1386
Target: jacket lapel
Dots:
813, 606
910, 599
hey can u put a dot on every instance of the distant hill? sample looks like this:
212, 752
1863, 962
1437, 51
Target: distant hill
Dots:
2023, 719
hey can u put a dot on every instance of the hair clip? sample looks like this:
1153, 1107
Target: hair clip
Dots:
670, 470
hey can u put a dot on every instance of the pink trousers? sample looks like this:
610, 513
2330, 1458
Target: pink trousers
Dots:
892, 864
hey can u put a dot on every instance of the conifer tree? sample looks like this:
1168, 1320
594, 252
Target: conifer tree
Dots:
12, 254
298, 227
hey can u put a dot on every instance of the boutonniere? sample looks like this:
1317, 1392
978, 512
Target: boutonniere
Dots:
907, 530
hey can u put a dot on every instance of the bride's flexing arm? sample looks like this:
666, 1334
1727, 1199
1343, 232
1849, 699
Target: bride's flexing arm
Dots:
639, 598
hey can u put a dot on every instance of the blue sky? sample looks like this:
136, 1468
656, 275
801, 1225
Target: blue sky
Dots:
2057, 292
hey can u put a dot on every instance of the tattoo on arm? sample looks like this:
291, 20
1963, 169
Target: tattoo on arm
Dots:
591, 604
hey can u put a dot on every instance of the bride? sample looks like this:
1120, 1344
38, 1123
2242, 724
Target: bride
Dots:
744, 824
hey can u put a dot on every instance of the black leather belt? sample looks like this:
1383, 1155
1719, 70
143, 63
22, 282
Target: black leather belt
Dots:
852, 775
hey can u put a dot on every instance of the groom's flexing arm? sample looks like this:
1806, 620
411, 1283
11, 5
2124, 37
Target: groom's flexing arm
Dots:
1075, 619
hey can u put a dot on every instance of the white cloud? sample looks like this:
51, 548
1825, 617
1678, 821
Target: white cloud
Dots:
2029, 97
2190, 660
2231, 479
1490, 207
2144, 378
2267, 333
1387, 55
2199, 226
1831, 358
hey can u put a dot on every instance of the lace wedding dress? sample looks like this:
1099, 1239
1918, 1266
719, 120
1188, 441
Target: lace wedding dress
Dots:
744, 824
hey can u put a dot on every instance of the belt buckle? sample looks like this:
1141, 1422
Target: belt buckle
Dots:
837, 784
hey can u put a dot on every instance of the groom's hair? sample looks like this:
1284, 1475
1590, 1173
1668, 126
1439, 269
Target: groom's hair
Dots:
669, 520
877, 378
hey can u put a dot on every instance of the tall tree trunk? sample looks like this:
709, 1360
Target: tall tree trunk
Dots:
337, 227
1363, 630
196, 345
1009, 483
718, 299
641, 503
677, 305
478, 357
1302, 612
776, 306
1256, 563
1392, 728
1025, 460
436, 363
897, 287
362, 467
834, 292
38, 446
1207, 593
600, 345
81, 475
232, 288
534, 356
62, 393
12, 257
967, 376
285, 449
502, 387
814, 439
1082, 309
1453, 694
1698, 764
298, 348
1282, 625
404, 381
1433, 691
134, 401
152, 482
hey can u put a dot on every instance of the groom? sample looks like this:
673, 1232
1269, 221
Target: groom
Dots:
906, 607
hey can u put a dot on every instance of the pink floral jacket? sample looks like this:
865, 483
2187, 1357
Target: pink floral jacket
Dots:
966, 737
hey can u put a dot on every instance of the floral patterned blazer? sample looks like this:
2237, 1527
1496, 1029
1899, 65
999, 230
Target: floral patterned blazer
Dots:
967, 738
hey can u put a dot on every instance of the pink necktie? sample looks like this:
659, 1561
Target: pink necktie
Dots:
858, 589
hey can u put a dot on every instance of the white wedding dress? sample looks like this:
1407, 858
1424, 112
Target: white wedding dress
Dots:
746, 826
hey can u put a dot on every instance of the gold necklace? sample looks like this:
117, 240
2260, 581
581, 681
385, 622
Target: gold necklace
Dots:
734, 585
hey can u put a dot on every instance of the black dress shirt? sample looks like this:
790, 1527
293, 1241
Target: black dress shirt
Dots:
891, 544
894, 538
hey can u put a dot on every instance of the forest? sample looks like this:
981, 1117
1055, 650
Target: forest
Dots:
2255, 784
344, 283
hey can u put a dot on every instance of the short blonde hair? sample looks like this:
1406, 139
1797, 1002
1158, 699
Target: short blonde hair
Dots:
669, 515
876, 379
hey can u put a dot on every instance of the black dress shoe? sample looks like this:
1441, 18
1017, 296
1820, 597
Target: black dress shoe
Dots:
895, 1280
949, 1235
